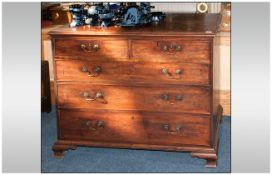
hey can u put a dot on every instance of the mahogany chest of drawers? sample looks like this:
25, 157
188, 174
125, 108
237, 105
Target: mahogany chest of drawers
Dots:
147, 87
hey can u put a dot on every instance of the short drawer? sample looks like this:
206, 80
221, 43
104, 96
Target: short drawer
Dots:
93, 49
127, 72
100, 125
135, 127
171, 51
166, 99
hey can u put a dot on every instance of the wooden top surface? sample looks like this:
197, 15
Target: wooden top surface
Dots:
175, 24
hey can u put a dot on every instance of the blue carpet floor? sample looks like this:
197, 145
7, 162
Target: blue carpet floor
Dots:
93, 159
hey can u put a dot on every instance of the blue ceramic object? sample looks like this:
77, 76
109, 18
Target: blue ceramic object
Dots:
121, 14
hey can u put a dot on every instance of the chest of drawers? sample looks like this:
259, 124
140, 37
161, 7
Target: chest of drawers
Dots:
148, 87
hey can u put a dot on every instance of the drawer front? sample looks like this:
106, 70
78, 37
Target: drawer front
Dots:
166, 99
174, 129
100, 126
171, 51
114, 72
92, 49
135, 127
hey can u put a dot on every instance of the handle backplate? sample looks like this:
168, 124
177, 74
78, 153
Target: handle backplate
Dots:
172, 99
169, 47
93, 125
94, 73
177, 73
167, 128
90, 47
99, 97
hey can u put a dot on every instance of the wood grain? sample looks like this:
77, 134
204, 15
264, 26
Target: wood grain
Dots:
193, 99
108, 49
130, 72
191, 51
135, 127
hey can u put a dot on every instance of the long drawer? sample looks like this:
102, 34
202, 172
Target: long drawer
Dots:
114, 72
93, 49
165, 99
134, 127
171, 51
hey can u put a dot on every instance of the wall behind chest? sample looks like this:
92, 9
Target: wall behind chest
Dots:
178, 7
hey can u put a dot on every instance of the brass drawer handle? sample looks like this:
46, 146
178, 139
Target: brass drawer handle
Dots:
96, 71
90, 47
178, 48
88, 124
170, 48
178, 128
98, 124
166, 97
174, 49
166, 127
164, 48
99, 97
167, 73
178, 72
179, 98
